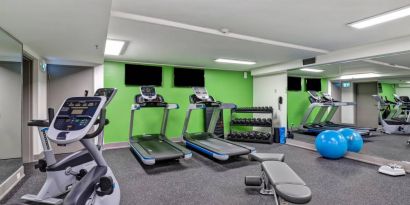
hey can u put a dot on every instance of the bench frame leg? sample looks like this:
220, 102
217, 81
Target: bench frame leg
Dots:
267, 188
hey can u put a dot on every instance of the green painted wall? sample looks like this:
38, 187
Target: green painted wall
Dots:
298, 103
225, 86
388, 90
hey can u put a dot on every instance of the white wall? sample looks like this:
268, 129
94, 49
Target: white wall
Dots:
10, 109
403, 91
64, 82
267, 90
348, 112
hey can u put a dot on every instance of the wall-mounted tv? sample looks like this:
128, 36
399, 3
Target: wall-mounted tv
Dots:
143, 75
294, 83
313, 84
184, 77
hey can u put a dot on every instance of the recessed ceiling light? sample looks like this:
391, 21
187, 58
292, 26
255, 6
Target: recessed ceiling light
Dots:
223, 60
382, 18
311, 70
358, 76
114, 47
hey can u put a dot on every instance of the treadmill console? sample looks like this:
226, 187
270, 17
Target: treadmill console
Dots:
149, 98
148, 92
109, 93
75, 118
201, 93
314, 96
328, 98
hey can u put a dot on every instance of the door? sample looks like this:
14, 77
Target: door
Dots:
27, 135
366, 111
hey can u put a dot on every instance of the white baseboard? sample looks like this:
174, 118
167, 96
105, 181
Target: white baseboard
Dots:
11, 182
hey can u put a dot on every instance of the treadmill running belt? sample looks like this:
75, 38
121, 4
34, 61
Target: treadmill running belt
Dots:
160, 149
222, 147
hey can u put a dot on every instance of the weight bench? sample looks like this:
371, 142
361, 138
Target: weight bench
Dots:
279, 180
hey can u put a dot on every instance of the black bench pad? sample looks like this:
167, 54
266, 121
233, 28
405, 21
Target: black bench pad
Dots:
287, 184
261, 157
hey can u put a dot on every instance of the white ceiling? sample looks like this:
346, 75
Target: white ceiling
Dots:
315, 23
356, 67
159, 44
399, 59
10, 49
63, 31
66, 31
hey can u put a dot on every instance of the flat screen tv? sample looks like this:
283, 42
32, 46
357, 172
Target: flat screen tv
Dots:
184, 77
143, 75
294, 83
313, 84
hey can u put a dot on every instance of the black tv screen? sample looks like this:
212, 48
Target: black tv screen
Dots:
294, 83
143, 75
189, 77
313, 84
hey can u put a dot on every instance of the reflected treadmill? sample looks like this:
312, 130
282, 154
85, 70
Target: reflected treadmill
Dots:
151, 148
322, 120
207, 142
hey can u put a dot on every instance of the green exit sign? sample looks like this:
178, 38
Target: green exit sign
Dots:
346, 84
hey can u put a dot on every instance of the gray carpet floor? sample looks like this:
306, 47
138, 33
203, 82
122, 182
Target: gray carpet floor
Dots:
205, 181
393, 147
8, 167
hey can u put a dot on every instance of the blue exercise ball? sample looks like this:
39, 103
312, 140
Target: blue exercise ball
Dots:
354, 139
331, 144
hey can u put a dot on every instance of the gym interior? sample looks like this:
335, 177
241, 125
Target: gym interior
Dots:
204, 102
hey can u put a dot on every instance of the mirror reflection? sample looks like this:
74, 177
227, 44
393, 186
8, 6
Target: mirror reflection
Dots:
371, 96
10, 105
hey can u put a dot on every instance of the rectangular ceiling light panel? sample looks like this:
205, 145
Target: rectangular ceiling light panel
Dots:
242, 62
312, 70
114, 47
382, 18
359, 76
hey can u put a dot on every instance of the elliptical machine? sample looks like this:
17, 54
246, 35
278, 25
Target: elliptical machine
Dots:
63, 175
390, 126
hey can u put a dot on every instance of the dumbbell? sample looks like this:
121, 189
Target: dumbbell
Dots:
259, 136
235, 135
257, 121
269, 121
267, 136
247, 121
252, 135
242, 135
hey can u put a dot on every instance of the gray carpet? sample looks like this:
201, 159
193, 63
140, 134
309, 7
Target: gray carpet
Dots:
204, 181
8, 167
392, 147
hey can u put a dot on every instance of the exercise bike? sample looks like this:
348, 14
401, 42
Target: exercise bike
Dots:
64, 174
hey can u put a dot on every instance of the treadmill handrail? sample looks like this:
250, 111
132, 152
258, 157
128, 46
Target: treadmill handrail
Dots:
168, 106
222, 106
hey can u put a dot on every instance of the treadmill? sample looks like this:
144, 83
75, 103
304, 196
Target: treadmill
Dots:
207, 142
151, 148
322, 121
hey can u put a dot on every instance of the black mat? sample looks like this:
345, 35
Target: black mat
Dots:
204, 181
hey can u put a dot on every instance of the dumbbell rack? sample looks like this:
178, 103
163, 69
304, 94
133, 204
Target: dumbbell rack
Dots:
252, 136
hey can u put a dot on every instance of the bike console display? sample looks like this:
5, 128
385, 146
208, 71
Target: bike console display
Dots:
75, 118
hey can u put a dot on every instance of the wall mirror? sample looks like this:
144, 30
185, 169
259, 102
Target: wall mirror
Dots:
354, 85
10, 105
